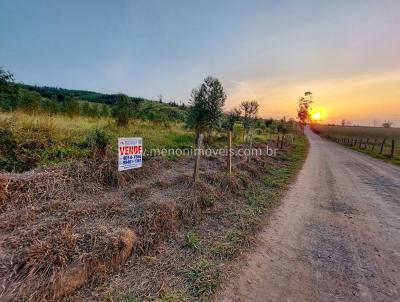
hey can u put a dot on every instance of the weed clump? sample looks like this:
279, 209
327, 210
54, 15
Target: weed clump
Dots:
202, 278
208, 200
192, 240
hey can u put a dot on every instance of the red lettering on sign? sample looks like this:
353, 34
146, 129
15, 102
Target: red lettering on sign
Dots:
128, 150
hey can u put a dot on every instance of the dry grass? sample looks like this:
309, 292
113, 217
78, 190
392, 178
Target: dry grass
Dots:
65, 225
368, 140
359, 131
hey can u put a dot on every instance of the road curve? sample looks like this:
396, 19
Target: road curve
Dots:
335, 237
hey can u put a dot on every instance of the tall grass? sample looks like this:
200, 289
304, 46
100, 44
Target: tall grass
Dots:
36, 140
42, 140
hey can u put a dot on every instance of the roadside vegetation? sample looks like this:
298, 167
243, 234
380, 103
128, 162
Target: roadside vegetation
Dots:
69, 220
34, 135
379, 142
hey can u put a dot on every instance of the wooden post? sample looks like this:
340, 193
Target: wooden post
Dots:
373, 145
230, 152
198, 155
392, 151
383, 144
359, 146
251, 147
366, 143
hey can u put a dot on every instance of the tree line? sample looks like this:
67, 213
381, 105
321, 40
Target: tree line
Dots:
72, 103
204, 113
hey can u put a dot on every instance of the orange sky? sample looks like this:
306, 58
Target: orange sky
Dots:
360, 99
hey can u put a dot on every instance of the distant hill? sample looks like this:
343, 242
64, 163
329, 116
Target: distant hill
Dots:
145, 109
90, 96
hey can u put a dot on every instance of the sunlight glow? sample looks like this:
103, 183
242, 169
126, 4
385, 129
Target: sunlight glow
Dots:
316, 116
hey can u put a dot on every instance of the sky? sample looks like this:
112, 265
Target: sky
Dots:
346, 52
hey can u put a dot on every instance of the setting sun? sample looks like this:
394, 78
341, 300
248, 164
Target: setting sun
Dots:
316, 116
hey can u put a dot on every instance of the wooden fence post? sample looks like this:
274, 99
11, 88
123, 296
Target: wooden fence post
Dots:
359, 146
251, 147
383, 143
373, 145
366, 144
198, 155
392, 151
230, 152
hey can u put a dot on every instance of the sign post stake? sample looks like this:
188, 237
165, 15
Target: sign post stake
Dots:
198, 155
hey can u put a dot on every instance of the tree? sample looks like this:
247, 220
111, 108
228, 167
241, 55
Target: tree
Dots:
303, 113
122, 109
249, 110
29, 101
5, 78
206, 102
268, 122
94, 110
85, 108
105, 111
51, 106
387, 124
71, 106
232, 117
8, 91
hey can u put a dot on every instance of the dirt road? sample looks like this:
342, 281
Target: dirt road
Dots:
336, 236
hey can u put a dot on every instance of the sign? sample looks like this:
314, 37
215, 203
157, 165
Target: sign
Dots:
130, 151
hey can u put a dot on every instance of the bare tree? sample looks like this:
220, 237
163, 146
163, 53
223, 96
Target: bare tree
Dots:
249, 110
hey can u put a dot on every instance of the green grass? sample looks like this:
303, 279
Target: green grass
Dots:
260, 198
28, 141
131, 297
202, 278
192, 240
42, 140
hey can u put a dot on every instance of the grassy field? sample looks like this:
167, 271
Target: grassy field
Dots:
365, 132
373, 141
39, 140
29, 141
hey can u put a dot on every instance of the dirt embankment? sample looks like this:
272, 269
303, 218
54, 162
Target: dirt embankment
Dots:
72, 226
